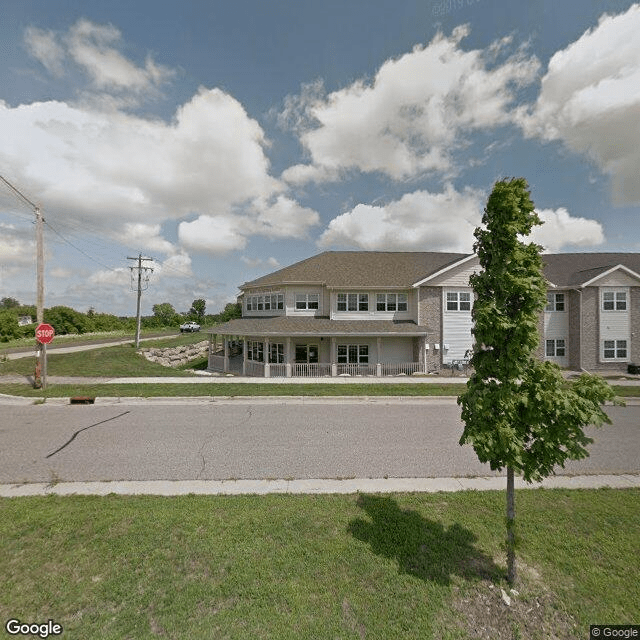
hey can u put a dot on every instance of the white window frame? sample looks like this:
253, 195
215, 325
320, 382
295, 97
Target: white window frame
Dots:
353, 354
255, 350
555, 300
615, 347
617, 300
557, 345
267, 302
276, 352
307, 301
392, 302
454, 301
355, 302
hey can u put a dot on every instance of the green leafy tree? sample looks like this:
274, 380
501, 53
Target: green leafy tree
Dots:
165, 313
9, 328
9, 303
518, 411
232, 310
67, 320
197, 309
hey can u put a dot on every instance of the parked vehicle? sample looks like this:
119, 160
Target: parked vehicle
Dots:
189, 327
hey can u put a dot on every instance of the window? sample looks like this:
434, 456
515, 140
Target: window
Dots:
276, 352
255, 350
306, 301
556, 348
392, 302
614, 300
458, 301
353, 302
555, 302
265, 303
353, 354
615, 349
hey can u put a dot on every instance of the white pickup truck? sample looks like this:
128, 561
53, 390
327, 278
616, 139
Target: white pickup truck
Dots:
189, 327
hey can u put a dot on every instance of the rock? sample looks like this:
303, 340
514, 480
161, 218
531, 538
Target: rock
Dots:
506, 599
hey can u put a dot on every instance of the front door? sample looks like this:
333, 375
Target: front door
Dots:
306, 353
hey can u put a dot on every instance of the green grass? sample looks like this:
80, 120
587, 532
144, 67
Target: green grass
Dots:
229, 389
394, 566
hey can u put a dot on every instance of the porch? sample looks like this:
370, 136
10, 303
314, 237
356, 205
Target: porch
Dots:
318, 348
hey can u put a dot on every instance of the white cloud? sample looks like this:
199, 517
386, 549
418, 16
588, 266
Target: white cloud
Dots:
418, 221
590, 100
217, 234
560, 230
94, 48
145, 236
284, 218
44, 47
120, 277
17, 249
408, 119
60, 272
424, 221
175, 266
260, 262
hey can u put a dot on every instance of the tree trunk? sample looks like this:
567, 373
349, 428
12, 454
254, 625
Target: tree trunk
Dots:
511, 522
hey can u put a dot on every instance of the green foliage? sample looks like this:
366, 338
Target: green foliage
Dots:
197, 309
165, 314
232, 310
9, 328
518, 411
67, 320
9, 303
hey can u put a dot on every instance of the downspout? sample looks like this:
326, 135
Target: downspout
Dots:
580, 367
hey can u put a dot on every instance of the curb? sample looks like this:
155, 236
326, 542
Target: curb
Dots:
313, 486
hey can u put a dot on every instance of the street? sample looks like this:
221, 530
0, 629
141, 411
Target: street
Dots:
265, 439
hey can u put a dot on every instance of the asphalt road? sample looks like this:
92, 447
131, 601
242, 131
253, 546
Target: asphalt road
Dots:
249, 440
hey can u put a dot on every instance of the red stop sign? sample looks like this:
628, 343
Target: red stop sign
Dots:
44, 333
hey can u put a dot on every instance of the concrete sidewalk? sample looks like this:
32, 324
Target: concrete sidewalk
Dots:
312, 486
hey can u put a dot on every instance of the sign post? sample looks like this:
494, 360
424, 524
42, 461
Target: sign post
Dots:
44, 335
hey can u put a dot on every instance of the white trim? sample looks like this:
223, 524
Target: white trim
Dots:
438, 273
633, 274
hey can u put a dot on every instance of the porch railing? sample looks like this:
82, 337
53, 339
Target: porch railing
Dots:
312, 370
278, 370
357, 369
216, 362
401, 368
255, 369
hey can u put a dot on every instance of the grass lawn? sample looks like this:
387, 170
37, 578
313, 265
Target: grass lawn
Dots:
368, 566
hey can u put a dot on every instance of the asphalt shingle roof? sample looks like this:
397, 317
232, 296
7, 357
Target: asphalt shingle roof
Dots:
361, 269
574, 269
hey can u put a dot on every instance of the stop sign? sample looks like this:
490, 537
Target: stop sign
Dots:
44, 333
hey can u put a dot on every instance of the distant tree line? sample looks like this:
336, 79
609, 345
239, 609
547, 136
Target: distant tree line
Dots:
66, 320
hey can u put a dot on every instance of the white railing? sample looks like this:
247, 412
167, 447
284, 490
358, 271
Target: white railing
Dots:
357, 369
313, 370
278, 370
401, 368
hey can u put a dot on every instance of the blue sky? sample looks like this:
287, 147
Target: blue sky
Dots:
227, 139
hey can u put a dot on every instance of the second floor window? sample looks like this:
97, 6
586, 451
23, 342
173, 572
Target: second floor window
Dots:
266, 302
391, 302
555, 302
458, 301
614, 300
307, 301
353, 302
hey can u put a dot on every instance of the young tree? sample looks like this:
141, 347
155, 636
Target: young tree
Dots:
197, 309
517, 410
165, 313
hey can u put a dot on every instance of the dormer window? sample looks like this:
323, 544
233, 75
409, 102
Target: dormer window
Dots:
353, 302
305, 301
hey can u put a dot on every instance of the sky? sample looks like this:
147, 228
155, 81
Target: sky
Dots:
228, 139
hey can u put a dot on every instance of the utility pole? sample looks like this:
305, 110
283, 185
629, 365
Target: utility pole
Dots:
40, 377
147, 271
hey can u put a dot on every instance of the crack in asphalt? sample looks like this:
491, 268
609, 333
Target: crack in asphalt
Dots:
212, 437
73, 437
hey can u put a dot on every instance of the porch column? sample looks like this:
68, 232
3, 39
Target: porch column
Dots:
267, 366
287, 357
210, 351
245, 355
333, 357
379, 363
423, 353
225, 366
